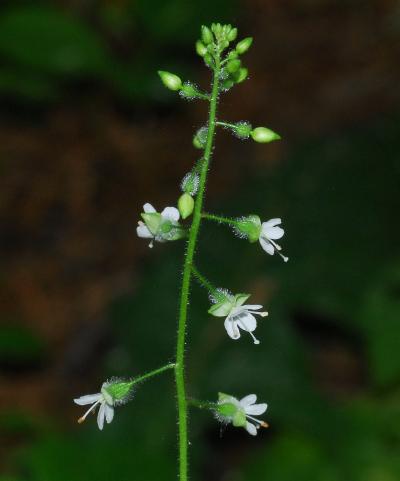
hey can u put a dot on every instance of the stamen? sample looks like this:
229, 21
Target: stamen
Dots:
283, 257
151, 244
259, 423
82, 418
255, 340
277, 246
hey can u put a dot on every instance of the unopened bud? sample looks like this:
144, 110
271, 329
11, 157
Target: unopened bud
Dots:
244, 45
185, 205
264, 135
206, 35
200, 138
232, 34
201, 49
233, 65
170, 80
241, 75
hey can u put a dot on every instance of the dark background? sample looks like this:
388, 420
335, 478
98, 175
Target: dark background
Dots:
88, 134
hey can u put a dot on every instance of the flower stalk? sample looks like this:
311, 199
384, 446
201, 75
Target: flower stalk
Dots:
187, 272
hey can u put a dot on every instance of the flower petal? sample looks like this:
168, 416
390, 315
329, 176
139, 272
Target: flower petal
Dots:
273, 232
272, 222
256, 409
252, 307
171, 213
247, 400
247, 321
267, 246
100, 415
109, 410
251, 429
148, 208
231, 329
143, 231
88, 399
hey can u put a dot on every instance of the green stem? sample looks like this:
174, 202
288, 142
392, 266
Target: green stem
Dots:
203, 281
152, 373
201, 404
226, 124
187, 271
217, 218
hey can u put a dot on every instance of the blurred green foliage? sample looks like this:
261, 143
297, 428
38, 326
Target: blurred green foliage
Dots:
44, 49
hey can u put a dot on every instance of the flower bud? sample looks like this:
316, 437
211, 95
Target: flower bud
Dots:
201, 49
244, 45
264, 135
233, 65
170, 80
241, 75
208, 60
249, 227
185, 205
232, 34
206, 35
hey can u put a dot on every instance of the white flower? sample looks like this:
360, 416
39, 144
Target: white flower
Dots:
238, 315
160, 227
269, 233
102, 399
241, 413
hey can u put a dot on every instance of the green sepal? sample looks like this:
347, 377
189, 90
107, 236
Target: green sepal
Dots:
153, 221
250, 227
201, 49
119, 390
240, 299
221, 309
227, 409
239, 418
175, 233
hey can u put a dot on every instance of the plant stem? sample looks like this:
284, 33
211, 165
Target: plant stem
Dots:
217, 218
152, 373
226, 124
187, 271
201, 404
203, 281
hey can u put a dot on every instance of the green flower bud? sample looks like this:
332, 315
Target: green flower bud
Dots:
185, 205
206, 35
232, 34
217, 29
170, 80
264, 135
233, 65
242, 130
201, 49
241, 75
244, 45
232, 55
249, 227
200, 138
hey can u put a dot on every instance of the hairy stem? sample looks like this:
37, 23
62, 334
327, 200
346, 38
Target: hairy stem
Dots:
155, 372
221, 220
187, 271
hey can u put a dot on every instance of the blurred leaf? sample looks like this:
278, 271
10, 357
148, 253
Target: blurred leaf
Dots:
25, 84
51, 41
